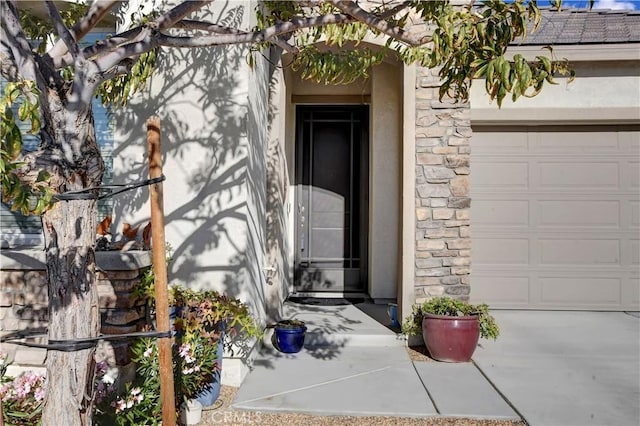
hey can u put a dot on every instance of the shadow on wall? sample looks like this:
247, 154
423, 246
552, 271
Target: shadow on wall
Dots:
277, 268
200, 97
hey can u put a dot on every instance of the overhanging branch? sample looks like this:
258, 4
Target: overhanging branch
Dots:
268, 34
18, 61
101, 47
62, 30
95, 13
220, 29
372, 21
179, 12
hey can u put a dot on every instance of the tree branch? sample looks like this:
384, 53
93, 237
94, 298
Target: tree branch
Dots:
62, 30
390, 13
17, 59
188, 24
352, 9
100, 47
111, 62
287, 47
96, 12
176, 14
268, 34
219, 29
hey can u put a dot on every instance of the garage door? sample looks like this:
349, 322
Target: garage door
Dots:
556, 217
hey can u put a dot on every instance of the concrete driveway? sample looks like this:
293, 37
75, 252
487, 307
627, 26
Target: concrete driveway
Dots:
549, 368
567, 368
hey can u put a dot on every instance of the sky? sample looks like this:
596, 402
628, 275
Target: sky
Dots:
602, 4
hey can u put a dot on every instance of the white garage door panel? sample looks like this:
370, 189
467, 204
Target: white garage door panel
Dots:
577, 141
501, 251
510, 291
579, 291
501, 175
572, 214
580, 252
634, 175
584, 176
635, 252
556, 217
635, 214
503, 213
632, 291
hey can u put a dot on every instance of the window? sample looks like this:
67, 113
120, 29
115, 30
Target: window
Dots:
17, 230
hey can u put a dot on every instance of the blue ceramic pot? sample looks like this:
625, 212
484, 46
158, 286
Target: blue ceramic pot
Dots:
289, 339
209, 395
392, 311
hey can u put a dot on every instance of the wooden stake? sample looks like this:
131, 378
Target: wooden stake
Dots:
167, 396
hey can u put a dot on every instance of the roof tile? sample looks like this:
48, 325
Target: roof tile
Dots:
578, 26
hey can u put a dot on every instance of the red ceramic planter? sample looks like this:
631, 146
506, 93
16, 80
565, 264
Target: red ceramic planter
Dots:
450, 339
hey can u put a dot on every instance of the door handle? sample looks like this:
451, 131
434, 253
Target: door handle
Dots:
301, 221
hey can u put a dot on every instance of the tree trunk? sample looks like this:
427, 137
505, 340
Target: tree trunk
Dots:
69, 231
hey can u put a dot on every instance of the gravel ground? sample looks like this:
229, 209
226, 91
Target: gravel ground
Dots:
223, 414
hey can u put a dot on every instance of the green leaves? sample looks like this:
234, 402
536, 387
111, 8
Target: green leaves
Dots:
519, 76
341, 67
465, 43
447, 306
119, 89
39, 29
29, 196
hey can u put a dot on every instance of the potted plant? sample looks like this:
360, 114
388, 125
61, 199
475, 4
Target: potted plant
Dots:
201, 321
214, 318
451, 328
288, 336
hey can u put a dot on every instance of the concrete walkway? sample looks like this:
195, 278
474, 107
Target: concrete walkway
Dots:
548, 368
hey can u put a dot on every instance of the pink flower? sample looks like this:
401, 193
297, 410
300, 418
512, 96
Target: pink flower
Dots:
184, 350
6, 392
39, 394
147, 353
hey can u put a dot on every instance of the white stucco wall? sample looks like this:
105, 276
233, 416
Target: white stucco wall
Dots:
213, 109
214, 123
603, 92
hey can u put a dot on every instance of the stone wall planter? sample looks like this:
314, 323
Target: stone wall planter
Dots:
24, 299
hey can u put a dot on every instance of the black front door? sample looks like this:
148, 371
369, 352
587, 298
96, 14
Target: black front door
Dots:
332, 181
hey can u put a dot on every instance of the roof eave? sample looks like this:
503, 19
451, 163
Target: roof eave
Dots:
582, 52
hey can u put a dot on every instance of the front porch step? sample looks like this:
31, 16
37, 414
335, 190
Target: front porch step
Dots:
360, 324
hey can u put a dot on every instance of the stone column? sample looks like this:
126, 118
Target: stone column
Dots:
443, 243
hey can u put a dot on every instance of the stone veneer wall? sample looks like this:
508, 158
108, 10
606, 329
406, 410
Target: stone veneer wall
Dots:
24, 299
443, 243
